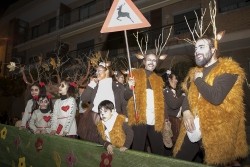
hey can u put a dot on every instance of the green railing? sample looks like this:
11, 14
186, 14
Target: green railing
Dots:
23, 149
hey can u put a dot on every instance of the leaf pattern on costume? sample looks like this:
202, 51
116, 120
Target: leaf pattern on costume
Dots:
57, 159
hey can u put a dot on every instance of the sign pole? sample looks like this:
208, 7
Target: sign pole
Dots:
130, 73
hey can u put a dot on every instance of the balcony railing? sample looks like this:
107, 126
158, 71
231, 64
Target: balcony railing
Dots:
79, 14
153, 34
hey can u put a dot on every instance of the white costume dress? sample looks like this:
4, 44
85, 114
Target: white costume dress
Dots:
63, 119
27, 112
41, 121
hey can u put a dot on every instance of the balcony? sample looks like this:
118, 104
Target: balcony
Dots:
79, 14
174, 39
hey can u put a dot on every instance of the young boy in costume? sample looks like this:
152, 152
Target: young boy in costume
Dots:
113, 129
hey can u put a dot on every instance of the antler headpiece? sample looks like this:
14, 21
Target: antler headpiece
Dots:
194, 32
158, 46
97, 60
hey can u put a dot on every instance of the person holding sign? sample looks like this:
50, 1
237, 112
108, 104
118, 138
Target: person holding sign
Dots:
150, 99
148, 88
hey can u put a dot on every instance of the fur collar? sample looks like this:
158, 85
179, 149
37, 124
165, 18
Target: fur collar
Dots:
140, 92
222, 126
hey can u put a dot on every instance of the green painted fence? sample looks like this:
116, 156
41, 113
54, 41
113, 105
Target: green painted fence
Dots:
23, 149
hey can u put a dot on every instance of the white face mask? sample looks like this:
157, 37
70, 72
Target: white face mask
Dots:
105, 114
43, 103
34, 90
101, 73
63, 88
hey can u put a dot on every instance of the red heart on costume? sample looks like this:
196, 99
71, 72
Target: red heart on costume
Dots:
65, 108
46, 118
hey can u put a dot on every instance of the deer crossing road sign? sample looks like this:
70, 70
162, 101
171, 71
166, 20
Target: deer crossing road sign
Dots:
124, 15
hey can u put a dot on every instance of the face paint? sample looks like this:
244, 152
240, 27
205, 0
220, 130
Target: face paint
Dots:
105, 114
43, 103
34, 90
101, 73
63, 88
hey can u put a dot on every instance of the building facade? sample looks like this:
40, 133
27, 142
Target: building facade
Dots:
32, 27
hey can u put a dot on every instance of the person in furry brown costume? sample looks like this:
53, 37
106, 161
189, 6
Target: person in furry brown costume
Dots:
215, 96
150, 106
113, 128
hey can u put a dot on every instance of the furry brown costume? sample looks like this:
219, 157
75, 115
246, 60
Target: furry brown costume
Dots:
117, 135
140, 92
222, 126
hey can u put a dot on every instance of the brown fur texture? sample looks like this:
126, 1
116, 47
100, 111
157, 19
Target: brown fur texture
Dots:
222, 126
87, 126
141, 95
117, 135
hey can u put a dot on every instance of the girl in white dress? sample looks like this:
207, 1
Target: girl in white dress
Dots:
35, 90
40, 121
63, 119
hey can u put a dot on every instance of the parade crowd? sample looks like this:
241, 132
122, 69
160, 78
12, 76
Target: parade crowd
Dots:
142, 112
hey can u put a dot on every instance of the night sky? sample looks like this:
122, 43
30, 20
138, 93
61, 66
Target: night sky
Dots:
4, 4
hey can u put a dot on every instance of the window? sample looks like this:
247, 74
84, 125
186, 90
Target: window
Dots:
180, 25
226, 5
64, 49
84, 48
19, 57
34, 32
52, 24
22, 31
33, 59
88, 10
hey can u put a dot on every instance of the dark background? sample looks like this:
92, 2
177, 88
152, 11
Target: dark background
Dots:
4, 4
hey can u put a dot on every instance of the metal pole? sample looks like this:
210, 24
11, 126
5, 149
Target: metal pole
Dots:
130, 73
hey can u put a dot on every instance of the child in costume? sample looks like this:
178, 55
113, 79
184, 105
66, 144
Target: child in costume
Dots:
35, 90
113, 129
40, 121
63, 119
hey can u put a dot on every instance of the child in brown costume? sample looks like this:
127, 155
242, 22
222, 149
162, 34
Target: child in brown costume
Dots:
113, 129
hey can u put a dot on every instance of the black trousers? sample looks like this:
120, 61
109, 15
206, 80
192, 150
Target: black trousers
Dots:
190, 150
155, 138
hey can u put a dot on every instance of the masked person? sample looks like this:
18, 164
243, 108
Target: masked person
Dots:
35, 90
40, 121
63, 120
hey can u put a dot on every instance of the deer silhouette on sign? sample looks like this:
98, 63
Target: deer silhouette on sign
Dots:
122, 14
